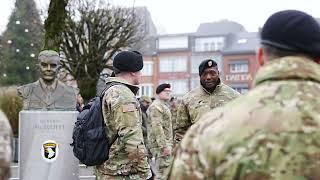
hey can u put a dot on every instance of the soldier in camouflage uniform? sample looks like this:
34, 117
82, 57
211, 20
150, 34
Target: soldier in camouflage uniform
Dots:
123, 118
273, 131
173, 105
160, 130
211, 94
5, 148
145, 102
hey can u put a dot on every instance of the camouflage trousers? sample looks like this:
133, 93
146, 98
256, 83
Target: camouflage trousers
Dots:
123, 177
162, 163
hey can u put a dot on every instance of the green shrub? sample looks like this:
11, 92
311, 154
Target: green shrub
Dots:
11, 105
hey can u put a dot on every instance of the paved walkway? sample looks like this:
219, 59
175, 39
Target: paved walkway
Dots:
85, 173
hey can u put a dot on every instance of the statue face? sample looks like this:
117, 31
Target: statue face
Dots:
49, 68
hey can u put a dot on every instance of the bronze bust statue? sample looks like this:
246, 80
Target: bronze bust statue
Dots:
48, 93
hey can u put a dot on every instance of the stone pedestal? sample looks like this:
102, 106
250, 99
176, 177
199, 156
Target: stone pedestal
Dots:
44, 146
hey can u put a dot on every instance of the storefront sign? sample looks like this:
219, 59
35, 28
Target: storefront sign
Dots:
238, 77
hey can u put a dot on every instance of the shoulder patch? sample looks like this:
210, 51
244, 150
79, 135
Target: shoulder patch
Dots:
128, 107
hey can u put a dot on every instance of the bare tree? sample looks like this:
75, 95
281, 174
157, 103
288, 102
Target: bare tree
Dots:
92, 36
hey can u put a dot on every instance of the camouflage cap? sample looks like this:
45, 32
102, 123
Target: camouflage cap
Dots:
146, 99
45, 54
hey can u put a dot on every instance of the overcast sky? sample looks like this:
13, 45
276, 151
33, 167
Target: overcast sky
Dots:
180, 16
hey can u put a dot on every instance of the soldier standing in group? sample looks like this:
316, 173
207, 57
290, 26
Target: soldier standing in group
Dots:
212, 93
160, 130
145, 102
123, 118
5, 147
273, 131
173, 105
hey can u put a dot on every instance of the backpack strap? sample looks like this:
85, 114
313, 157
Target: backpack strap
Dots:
109, 85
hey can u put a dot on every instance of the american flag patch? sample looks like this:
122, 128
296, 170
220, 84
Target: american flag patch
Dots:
128, 108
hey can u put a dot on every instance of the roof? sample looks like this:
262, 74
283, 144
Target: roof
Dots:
146, 21
149, 46
175, 35
245, 42
219, 28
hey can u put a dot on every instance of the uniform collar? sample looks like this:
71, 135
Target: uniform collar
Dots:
132, 87
161, 100
218, 87
47, 87
290, 67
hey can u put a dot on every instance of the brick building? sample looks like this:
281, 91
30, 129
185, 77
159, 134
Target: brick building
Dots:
176, 58
239, 61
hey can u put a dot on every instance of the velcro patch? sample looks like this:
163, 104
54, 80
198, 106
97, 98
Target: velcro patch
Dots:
128, 108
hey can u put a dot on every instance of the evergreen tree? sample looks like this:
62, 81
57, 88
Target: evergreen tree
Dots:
20, 44
54, 24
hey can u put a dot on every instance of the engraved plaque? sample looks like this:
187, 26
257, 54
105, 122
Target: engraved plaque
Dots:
44, 146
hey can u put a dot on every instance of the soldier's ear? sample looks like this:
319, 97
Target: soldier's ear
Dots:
259, 56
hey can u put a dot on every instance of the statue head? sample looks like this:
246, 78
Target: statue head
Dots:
49, 65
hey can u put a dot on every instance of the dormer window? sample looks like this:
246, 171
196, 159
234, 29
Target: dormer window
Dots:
242, 41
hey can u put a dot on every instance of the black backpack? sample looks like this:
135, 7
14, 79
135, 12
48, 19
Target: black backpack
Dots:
90, 143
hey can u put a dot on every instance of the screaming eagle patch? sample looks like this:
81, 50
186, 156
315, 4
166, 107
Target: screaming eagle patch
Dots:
49, 150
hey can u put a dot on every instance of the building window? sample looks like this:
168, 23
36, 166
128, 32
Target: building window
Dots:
145, 90
165, 65
212, 46
219, 46
242, 41
173, 42
173, 64
206, 47
195, 82
241, 88
179, 87
209, 44
196, 60
147, 68
239, 66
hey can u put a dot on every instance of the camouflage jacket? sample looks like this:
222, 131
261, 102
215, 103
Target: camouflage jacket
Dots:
173, 111
123, 118
144, 124
270, 133
5, 147
159, 126
197, 102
